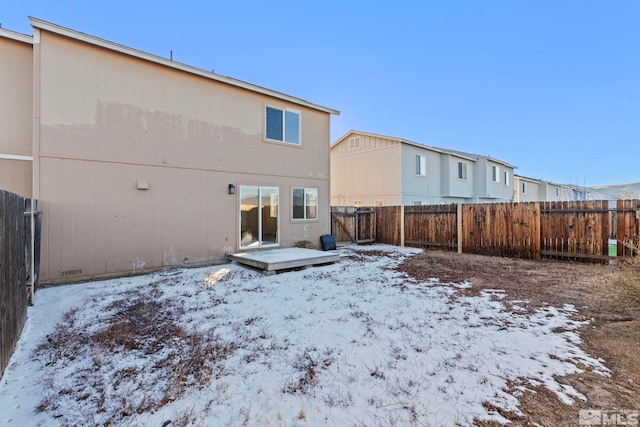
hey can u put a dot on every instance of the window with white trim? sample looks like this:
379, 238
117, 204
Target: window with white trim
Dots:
506, 178
495, 173
282, 125
462, 170
305, 203
354, 143
421, 165
524, 187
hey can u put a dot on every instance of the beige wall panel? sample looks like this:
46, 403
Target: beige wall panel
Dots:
109, 120
16, 99
97, 223
371, 173
98, 104
15, 176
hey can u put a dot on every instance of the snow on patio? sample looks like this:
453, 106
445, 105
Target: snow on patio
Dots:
352, 343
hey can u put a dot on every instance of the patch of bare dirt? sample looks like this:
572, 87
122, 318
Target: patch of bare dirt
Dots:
606, 294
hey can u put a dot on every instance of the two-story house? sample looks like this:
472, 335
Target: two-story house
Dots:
537, 190
375, 170
140, 162
16, 106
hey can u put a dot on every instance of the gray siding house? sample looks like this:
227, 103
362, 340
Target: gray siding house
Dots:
537, 190
376, 170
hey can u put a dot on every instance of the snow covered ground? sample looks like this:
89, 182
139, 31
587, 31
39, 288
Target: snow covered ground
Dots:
353, 343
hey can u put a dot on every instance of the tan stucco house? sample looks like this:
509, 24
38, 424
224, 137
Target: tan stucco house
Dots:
139, 162
376, 170
16, 106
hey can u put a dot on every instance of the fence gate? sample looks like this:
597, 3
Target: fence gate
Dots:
356, 225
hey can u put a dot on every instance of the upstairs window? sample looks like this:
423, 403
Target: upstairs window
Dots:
506, 178
282, 125
354, 143
495, 176
462, 170
305, 203
421, 165
524, 187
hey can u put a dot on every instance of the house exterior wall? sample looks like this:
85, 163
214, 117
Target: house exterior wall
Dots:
16, 106
369, 170
498, 189
365, 172
527, 190
423, 189
452, 186
110, 123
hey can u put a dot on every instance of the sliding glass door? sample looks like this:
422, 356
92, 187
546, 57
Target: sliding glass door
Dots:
258, 216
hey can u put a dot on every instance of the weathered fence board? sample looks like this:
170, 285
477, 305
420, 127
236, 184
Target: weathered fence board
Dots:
574, 230
502, 229
389, 225
628, 227
431, 226
351, 224
13, 272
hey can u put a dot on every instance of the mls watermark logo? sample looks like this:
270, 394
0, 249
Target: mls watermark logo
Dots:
596, 417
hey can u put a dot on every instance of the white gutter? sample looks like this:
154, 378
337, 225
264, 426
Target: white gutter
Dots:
16, 36
16, 157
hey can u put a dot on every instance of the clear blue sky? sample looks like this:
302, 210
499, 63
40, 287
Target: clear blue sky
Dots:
550, 86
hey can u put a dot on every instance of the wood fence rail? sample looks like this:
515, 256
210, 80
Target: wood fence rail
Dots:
575, 230
15, 269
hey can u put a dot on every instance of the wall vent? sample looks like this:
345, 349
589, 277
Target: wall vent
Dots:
71, 272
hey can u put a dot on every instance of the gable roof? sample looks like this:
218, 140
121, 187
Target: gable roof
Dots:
480, 156
526, 178
405, 141
66, 32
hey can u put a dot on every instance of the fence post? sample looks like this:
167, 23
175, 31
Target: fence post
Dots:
537, 235
459, 226
401, 225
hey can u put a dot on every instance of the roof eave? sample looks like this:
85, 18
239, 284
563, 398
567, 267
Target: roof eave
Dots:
24, 38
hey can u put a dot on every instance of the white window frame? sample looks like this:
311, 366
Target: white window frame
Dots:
274, 213
284, 111
506, 178
495, 173
421, 165
306, 190
462, 171
354, 143
524, 187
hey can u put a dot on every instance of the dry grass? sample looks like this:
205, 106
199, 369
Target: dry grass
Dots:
140, 326
608, 295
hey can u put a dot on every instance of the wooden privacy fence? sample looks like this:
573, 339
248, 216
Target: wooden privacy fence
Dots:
578, 230
15, 268
355, 225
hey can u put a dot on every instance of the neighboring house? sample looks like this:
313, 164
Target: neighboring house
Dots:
537, 190
376, 170
16, 106
140, 162
527, 189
